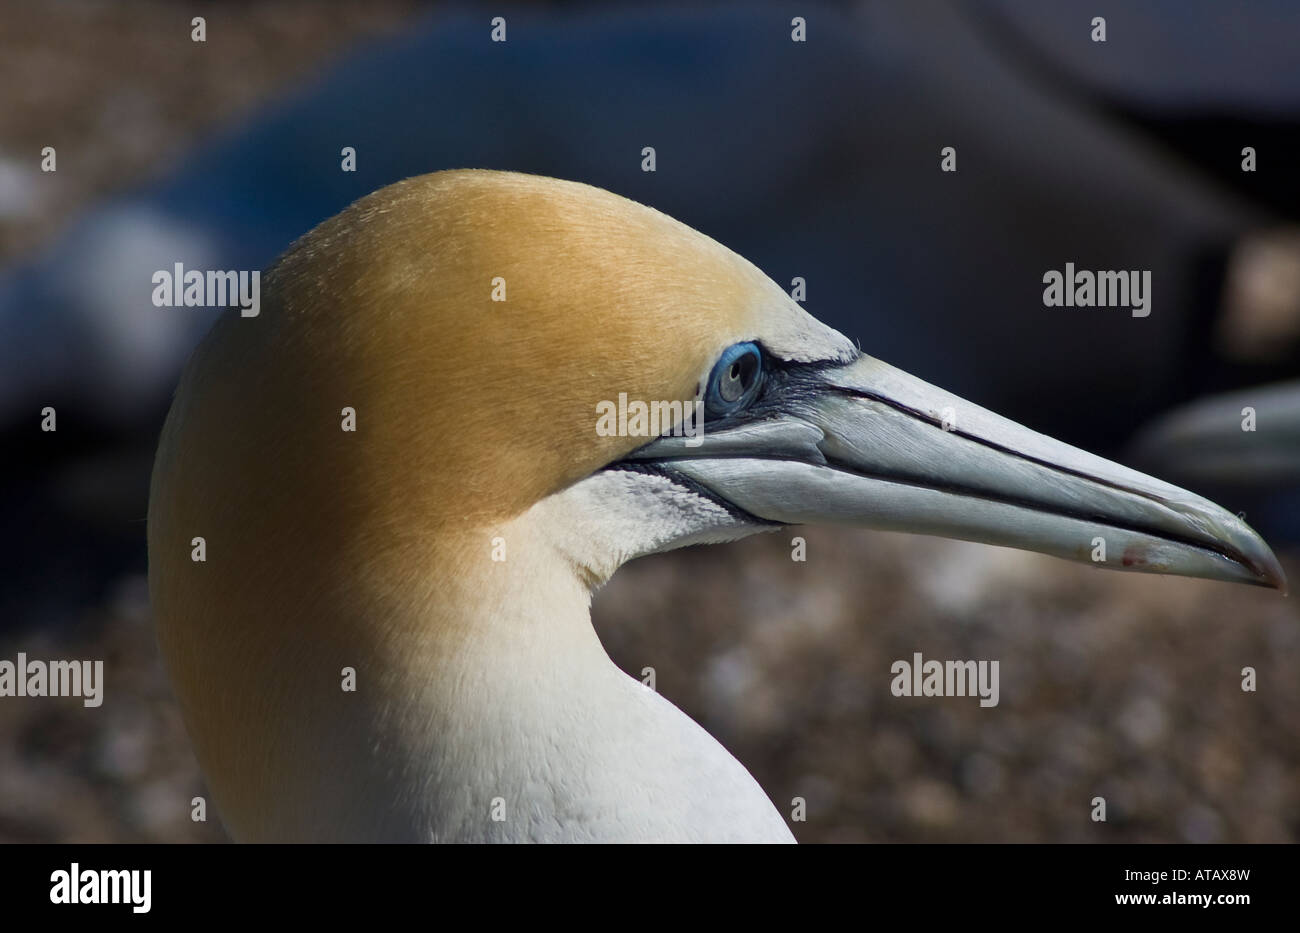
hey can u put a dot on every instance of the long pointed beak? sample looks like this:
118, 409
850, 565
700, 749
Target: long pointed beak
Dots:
867, 444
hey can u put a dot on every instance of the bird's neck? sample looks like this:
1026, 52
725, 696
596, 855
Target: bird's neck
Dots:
485, 709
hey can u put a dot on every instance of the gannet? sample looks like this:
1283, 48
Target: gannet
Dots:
445, 551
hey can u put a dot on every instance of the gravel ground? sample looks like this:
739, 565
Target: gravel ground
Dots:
116, 89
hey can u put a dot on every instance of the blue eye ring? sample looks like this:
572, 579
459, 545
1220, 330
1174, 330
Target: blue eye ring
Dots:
735, 380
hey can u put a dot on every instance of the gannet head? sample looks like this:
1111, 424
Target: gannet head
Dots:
484, 328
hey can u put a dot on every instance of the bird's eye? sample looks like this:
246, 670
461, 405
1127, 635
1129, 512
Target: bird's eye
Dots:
734, 381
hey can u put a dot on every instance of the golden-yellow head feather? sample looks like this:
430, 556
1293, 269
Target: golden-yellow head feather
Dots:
467, 406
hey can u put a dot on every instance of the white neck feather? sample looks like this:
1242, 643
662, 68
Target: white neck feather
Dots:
514, 725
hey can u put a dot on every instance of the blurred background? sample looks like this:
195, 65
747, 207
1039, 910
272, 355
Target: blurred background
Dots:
816, 159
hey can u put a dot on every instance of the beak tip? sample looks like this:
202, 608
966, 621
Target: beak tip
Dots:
1269, 569
1278, 582
1254, 554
